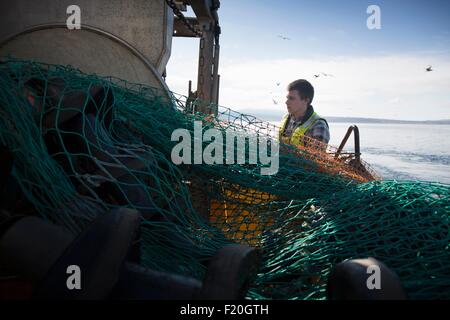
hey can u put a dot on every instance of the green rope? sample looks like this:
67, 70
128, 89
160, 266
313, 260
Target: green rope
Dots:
76, 160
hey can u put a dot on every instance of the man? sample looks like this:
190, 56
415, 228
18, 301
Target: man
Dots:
301, 119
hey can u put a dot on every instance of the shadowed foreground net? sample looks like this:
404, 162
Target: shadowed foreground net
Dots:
84, 144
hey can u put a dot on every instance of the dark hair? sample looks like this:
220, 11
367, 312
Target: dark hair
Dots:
304, 89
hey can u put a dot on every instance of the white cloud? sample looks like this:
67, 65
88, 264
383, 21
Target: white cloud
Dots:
394, 101
390, 86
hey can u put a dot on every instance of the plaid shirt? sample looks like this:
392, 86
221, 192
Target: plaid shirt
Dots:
318, 131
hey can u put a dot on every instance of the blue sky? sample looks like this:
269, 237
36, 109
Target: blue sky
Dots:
376, 73
331, 27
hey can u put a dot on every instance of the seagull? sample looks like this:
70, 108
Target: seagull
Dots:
284, 38
429, 69
324, 74
274, 101
278, 84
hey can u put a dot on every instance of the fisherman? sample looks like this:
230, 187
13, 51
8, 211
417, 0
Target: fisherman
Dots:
301, 119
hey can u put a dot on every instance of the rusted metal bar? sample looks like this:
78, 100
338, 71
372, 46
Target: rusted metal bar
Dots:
344, 141
357, 147
215, 75
205, 67
181, 30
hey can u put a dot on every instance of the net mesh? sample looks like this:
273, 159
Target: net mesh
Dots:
85, 144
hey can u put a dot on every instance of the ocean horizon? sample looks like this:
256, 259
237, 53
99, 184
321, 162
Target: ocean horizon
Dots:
400, 151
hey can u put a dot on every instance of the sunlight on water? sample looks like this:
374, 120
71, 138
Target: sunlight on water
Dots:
402, 151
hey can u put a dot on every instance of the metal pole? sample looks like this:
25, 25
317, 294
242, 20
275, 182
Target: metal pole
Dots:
357, 147
344, 141
205, 67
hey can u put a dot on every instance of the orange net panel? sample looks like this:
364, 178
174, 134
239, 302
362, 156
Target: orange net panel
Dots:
325, 157
244, 213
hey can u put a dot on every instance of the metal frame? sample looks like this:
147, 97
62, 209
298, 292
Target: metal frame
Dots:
111, 36
353, 159
357, 152
206, 22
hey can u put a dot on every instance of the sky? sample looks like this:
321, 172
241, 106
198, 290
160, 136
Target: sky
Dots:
378, 73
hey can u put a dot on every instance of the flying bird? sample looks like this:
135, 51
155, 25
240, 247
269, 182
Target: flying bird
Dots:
274, 101
283, 37
324, 74
429, 69
278, 84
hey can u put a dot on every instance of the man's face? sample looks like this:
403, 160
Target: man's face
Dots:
295, 105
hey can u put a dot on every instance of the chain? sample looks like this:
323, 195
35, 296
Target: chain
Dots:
179, 14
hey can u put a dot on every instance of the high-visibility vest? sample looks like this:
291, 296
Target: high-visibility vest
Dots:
296, 137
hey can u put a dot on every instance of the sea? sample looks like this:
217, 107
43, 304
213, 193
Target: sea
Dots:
401, 151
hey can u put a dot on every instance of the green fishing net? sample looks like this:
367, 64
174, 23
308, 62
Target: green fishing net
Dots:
84, 144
